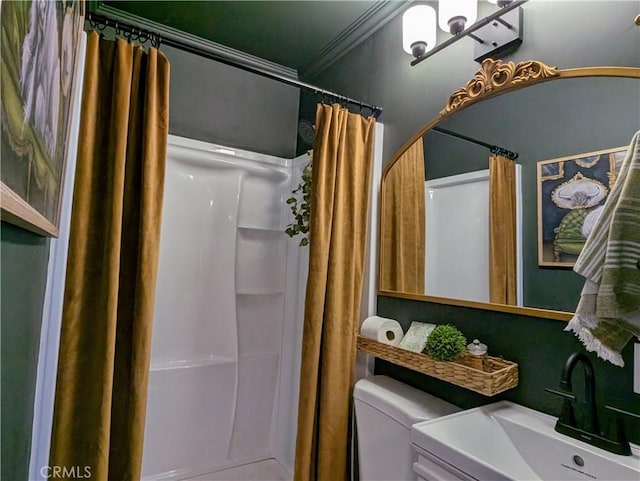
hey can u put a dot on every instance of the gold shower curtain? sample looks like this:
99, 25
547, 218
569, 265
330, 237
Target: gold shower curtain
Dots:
342, 155
403, 231
502, 230
113, 255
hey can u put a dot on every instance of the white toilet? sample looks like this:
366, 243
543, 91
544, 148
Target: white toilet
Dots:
385, 410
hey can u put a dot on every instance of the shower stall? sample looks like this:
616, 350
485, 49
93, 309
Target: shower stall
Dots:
227, 326
227, 330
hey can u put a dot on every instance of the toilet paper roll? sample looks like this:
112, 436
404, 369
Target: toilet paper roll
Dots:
384, 330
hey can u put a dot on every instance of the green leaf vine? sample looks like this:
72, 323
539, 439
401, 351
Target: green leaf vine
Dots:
300, 204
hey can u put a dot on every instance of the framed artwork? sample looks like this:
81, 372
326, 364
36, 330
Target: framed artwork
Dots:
571, 193
40, 41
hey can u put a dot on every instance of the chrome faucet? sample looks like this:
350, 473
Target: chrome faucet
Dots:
590, 431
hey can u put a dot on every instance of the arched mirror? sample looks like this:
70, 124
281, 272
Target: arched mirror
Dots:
442, 228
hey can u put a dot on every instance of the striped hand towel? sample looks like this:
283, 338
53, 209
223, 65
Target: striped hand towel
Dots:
608, 313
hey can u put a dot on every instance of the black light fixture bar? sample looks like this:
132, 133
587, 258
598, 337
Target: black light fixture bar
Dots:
504, 22
494, 149
195, 45
476, 26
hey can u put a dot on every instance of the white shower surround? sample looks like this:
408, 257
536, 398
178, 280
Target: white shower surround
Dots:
227, 333
457, 236
220, 307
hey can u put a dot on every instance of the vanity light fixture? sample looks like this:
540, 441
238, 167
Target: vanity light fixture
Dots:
495, 35
419, 30
455, 15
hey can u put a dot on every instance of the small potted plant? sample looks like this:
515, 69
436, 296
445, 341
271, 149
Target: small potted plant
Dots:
445, 343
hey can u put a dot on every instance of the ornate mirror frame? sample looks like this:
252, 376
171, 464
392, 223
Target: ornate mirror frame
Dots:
492, 79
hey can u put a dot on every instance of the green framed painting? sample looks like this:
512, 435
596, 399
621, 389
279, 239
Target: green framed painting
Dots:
571, 193
39, 50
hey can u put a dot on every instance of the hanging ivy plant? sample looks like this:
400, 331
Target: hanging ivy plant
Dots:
300, 206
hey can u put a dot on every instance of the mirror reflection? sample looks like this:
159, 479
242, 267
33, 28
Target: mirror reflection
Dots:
436, 234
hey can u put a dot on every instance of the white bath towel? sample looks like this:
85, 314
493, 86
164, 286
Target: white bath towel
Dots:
608, 313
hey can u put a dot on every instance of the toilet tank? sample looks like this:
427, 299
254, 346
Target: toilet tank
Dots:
385, 410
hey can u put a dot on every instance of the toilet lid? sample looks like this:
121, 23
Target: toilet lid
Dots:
403, 403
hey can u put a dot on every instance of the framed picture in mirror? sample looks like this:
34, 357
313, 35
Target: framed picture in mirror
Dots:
571, 194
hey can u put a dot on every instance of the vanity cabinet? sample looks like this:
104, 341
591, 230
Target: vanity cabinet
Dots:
430, 468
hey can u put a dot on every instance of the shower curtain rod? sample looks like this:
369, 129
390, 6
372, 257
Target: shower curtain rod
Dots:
177, 39
493, 148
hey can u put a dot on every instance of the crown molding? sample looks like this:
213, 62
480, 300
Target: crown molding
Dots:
216, 49
359, 30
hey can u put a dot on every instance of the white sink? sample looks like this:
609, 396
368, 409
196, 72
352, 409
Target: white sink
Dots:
505, 441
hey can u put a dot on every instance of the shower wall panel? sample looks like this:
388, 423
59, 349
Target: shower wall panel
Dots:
217, 333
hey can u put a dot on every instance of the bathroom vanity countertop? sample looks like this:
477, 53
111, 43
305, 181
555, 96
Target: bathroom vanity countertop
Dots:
506, 441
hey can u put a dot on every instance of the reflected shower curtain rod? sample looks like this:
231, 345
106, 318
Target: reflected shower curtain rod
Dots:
494, 149
192, 44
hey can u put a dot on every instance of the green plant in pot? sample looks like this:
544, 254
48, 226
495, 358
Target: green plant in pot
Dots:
445, 343
300, 203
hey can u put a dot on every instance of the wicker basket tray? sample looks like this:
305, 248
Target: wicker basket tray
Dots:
499, 376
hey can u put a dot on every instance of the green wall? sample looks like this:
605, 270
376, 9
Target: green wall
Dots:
23, 263
379, 72
539, 346
217, 103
